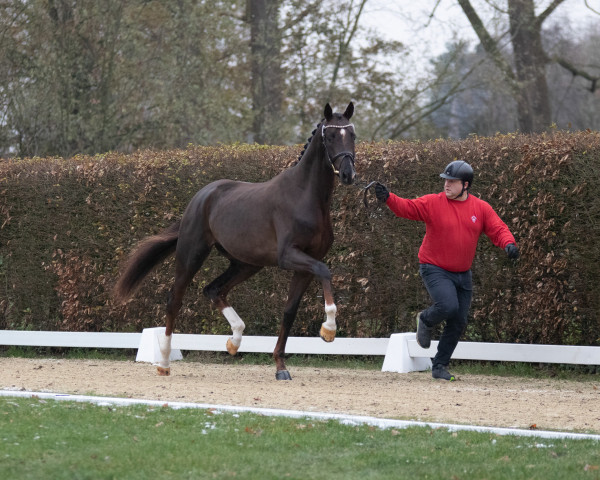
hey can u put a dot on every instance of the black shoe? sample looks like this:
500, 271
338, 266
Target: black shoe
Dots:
423, 333
439, 371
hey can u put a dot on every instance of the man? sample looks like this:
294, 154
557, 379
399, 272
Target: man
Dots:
454, 220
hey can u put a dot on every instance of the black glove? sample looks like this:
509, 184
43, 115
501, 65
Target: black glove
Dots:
512, 251
381, 192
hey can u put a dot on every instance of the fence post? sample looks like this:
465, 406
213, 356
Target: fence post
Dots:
149, 350
398, 359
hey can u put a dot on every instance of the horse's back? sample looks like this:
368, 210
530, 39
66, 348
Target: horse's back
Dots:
236, 215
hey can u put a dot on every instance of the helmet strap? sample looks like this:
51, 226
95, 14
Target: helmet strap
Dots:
463, 190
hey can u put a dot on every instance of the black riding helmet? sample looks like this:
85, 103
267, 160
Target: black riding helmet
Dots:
459, 170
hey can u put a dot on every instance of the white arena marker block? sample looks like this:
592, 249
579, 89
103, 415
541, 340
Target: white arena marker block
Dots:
398, 359
149, 350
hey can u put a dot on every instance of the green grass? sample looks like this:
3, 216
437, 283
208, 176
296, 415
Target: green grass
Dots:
67, 440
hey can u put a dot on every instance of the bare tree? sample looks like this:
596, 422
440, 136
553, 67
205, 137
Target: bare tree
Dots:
265, 64
526, 78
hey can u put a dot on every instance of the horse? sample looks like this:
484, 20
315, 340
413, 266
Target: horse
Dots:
283, 222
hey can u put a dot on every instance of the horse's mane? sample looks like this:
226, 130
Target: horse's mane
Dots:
307, 143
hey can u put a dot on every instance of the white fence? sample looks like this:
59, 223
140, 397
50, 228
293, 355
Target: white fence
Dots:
401, 351
181, 341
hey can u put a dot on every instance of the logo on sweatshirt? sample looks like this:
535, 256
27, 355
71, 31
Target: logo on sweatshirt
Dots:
474, 219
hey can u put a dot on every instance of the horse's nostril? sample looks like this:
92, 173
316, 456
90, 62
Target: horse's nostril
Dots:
348, 178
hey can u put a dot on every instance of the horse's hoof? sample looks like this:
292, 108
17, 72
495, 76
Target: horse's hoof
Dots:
327, 335
163, 372
283, 375
231, 348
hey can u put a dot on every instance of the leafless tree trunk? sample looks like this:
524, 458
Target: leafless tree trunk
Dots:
265, 59
528, 79
533, 102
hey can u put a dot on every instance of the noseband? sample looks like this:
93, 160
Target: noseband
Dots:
340, 154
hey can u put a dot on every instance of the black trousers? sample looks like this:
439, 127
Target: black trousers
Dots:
451, 293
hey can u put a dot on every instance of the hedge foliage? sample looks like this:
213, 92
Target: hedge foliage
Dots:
67, 226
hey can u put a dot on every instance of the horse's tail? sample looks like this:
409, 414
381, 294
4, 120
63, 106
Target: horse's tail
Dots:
148, 254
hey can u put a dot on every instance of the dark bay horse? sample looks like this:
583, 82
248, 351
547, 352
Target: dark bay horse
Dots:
283, 222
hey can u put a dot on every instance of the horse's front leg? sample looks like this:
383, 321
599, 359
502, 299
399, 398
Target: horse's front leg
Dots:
328, 327
295, 259
298, 286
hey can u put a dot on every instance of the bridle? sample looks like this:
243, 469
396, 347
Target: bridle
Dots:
340, 154
345, 154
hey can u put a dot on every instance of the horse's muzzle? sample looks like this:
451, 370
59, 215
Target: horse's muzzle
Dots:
347, 172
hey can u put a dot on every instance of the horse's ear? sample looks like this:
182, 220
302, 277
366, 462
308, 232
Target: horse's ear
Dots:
349, 111
328, 112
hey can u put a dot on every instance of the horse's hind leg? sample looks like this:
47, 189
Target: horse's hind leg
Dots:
298, 286
186, 267
217, 292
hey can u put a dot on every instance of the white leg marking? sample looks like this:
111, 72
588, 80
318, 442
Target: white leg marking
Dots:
329, 323
237, 325
164, 343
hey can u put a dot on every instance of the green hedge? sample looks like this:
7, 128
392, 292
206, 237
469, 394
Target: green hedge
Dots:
67, 226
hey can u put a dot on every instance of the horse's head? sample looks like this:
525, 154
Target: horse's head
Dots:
338, 139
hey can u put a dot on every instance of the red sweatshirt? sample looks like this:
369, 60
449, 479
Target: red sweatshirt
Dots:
452, 228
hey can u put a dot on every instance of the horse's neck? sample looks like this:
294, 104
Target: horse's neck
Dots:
315, 171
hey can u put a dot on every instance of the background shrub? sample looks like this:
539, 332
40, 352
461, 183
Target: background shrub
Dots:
67, 225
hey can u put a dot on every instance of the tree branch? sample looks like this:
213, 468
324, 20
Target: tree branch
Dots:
344, 43
489, 44
577, 72
588, 6
432, 14
546, 13
311, 7
411, 119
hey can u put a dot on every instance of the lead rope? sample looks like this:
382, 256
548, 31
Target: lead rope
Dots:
366, 190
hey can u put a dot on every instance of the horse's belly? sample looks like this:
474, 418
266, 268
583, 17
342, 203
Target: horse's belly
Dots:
249, 242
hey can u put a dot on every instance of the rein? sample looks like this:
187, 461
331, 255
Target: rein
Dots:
340, 154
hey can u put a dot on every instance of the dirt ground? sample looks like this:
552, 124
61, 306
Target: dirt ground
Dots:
473, 399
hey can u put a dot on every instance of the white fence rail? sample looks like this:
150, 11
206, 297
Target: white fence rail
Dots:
405, 355
181, 341
70, 339
401, 351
